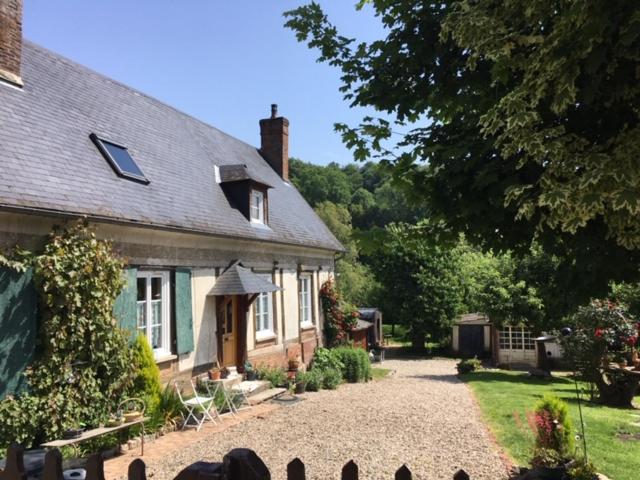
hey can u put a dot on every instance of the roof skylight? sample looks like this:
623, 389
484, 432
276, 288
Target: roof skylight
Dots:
120, 159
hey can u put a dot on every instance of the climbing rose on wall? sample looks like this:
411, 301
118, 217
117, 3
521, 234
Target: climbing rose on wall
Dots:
339, 318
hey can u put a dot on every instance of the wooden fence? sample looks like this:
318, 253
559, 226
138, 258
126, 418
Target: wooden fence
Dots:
238, 464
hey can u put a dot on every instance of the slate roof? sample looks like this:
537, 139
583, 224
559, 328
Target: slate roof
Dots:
49, 164
238, 173
238, 280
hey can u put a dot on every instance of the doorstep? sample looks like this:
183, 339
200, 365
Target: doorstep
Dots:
265, 395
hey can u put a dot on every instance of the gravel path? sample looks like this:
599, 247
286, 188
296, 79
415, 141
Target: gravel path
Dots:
422, 416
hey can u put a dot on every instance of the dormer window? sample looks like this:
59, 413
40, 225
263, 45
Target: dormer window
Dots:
246, 192
257, 206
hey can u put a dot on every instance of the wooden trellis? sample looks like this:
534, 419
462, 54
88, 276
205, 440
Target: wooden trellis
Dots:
239, 464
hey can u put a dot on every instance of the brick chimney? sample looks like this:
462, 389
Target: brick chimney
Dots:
274, 142
10, 41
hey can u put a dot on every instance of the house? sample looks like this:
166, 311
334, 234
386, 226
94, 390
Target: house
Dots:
225, 257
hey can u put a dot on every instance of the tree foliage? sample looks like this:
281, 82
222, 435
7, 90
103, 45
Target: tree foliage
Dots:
525, 115
422, 288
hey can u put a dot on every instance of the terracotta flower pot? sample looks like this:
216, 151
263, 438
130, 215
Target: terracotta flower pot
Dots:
214, 374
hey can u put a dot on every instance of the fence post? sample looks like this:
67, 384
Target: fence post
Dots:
403, 473
52, 465
95, 467
14, 467
137, 470
461, 475
350, 471
295, 470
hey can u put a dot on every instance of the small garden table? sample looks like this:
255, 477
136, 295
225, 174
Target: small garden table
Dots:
99, 432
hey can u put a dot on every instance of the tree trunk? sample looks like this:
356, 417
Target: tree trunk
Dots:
417, 340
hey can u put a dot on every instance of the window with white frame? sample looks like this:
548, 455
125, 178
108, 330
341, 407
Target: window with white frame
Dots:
257, 206
304, 301
263, 308
516, 338
153, 310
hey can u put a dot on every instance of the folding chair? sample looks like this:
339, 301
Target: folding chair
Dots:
194, 405
240, 397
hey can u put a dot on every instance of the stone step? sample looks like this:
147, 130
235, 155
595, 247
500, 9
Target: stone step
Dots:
266, 395
253, 387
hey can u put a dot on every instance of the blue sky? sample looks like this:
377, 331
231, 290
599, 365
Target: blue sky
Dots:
222, 61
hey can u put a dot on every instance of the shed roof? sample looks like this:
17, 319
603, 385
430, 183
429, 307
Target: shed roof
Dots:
472, 319
50, 165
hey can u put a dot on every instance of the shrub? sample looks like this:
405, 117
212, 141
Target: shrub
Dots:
469, 365
552, 426
600, 329
146, 383
356, 366
331, 378
274, 375
545, 457
168, 410
314, 380
324, 358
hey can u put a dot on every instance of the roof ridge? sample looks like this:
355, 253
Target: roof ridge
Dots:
76, 64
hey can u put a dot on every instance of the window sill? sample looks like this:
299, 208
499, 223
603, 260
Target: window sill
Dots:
164, 358
307, 326
266, 339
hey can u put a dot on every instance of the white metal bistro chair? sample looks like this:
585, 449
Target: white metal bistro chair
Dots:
197, 404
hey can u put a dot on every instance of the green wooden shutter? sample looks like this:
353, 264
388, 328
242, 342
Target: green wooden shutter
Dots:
184, 315
18, 327
125, 308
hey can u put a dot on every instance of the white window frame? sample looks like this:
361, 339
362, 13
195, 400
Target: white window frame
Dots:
264, 320
305, 304
516, 338
165, 349
256, 213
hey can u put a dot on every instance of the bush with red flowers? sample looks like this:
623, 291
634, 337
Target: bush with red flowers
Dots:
602, 331
339, 317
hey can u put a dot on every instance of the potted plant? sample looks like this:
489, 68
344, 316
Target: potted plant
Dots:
301, 382
214, 373
249, 372
224, 372
548, 464
74, 432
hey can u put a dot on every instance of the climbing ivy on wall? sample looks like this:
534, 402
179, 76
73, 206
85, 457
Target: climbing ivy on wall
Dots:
84, 361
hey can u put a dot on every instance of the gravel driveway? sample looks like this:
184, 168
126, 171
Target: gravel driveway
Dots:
422, 416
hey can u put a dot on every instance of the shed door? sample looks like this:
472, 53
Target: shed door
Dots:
471, 340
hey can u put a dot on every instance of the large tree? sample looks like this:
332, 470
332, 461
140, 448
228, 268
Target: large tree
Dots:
526, 113
423, 289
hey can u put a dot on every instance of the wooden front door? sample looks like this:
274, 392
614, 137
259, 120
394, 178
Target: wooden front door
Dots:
228, 332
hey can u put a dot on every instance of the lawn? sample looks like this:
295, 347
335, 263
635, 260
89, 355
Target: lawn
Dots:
378, 373
400, 338
506, 397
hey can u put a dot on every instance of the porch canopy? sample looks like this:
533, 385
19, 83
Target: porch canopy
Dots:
238, 280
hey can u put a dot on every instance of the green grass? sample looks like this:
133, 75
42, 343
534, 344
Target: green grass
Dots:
378, 373
506, 397
400, 338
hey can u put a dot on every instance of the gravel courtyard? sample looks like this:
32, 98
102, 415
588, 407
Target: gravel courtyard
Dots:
422, 416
